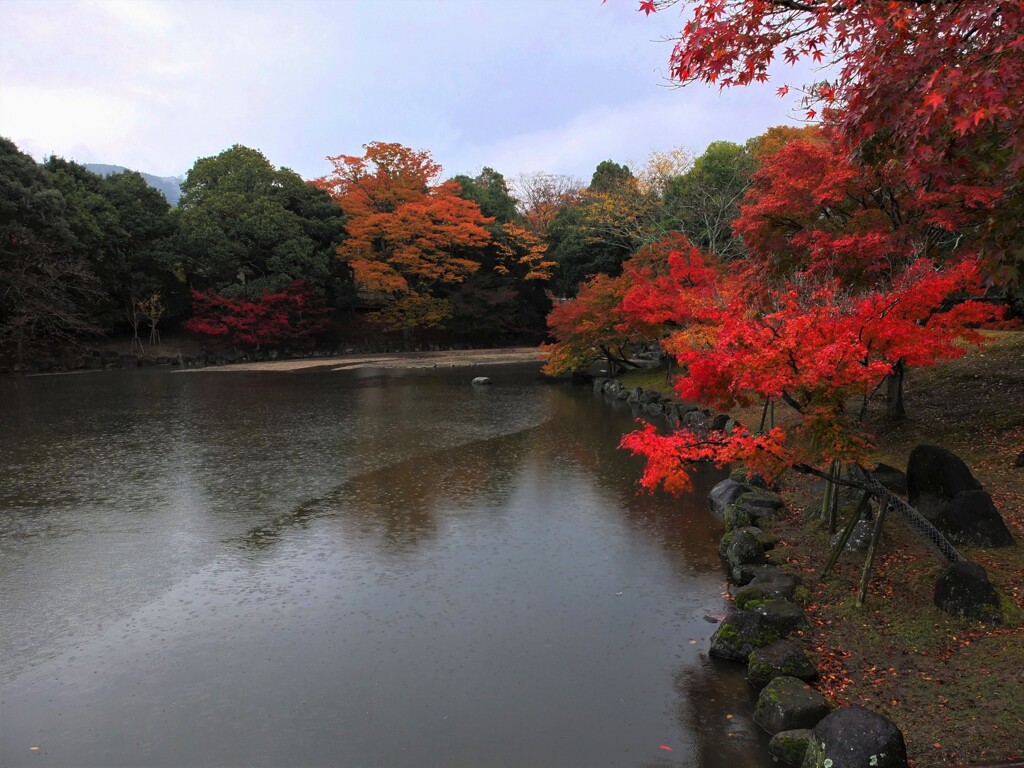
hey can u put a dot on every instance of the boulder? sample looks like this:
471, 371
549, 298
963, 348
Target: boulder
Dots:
600, 382
783, 658
890, 477
739, 634
480, 381
744, 574
744, 549
781, 615
761, 500
719, 422
971, 519
650, 396
755, 479
635, 395
789, 747
653, 409
737, 517
853, 737
787, 703
764, 539
772, 585
963, 589
860, 537
934, 477
725, 493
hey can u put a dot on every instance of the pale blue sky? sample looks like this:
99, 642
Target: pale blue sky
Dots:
520, 85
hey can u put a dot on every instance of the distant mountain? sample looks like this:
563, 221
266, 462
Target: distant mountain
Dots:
170, 186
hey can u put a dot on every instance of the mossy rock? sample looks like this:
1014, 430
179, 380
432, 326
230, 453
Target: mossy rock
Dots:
766, 540
735, 517
783, 658
761, 499
781, 615
787, 703
725, 493
773, 585
739, 634
789, 747
744, 549
745, 574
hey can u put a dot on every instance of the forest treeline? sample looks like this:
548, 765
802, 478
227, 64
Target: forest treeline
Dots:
382, 249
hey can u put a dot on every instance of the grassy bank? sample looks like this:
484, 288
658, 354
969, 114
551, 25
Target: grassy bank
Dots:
953, 686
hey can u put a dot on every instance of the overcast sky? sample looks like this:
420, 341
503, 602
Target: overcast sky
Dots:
519, 85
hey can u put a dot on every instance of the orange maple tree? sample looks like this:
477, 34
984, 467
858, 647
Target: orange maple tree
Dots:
404, 231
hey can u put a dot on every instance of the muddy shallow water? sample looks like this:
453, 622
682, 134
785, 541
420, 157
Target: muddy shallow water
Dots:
369, 568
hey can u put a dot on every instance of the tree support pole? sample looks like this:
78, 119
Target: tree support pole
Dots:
869, 563
847, 532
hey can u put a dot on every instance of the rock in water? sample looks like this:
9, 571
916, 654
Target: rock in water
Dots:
786, 704
723, 494
480, 381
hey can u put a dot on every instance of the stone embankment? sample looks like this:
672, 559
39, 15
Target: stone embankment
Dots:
761, 628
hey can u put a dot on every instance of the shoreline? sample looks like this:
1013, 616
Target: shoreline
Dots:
389, 360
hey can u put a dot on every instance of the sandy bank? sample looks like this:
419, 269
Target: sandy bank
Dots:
444, 359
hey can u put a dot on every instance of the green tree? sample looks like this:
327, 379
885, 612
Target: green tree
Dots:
704, 202
245, 227
506, 296
122, 228
46, 287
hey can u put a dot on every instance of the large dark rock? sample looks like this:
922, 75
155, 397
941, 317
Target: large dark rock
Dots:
719, 422
934, 477
761, 499
781, 615
739, 634
789, 747
853, 737
766, 540
744, 574
744, 549
650, 396
971, 519
891, 477
773, 584
963, 589
783, 658
787, 703
724, 494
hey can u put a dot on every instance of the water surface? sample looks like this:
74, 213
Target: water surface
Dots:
371, 568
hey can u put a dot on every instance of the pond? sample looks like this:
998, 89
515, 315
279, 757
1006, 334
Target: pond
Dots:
369, 568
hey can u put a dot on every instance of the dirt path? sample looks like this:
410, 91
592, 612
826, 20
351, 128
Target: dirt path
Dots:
444, 359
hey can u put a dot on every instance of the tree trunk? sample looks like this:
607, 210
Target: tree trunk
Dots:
894, 393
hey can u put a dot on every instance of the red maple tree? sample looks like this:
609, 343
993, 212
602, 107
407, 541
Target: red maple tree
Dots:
935, 87
820, 349
290, 316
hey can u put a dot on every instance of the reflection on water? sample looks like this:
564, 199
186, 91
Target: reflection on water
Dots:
362, 569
